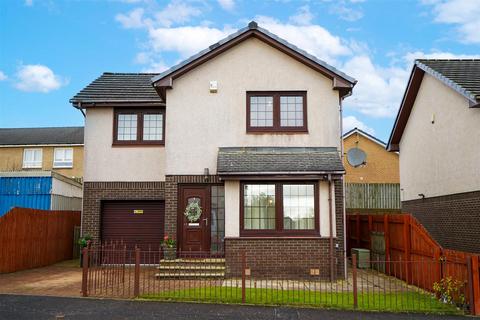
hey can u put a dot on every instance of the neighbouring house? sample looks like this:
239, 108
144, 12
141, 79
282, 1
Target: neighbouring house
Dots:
57, 149
236, 148
437, 132
372, 174
45, 190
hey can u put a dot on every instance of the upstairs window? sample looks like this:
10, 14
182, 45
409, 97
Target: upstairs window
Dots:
32, 158
277, 111
63, 158
143, 126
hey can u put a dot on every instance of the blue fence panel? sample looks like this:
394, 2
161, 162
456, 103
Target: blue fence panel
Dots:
25, 192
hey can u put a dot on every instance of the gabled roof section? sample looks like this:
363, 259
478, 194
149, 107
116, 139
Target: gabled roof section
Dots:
365, 134
244, 161
461, 75
113, 89
41, 136
341, 81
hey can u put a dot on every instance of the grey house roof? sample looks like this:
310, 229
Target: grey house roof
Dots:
41, 136
278, 160
253, 25
463, 75
118, 88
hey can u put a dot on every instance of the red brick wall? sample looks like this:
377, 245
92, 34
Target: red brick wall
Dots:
453, 220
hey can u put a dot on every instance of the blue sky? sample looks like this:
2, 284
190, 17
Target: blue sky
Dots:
49, 49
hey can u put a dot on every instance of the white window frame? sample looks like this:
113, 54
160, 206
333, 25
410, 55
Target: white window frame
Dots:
32, 164
62, 163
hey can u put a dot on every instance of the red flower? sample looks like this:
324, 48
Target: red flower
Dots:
165, 238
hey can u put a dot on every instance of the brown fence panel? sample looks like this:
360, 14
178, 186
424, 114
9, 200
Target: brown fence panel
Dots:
33, 238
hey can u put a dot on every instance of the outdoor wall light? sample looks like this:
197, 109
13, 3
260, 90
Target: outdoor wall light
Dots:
421, 195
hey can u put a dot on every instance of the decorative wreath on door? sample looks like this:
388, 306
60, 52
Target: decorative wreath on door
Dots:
193, 211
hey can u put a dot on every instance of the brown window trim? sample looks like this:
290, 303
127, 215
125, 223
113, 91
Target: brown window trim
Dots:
140, 113
279, 231
276, 128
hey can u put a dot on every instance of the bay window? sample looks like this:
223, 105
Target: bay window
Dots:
279, 208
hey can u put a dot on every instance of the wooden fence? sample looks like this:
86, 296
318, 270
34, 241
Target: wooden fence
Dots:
408, 241
372, 196
31, 238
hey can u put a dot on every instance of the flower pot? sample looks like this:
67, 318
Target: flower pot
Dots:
169, 253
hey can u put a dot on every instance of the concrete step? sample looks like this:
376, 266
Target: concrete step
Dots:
193, 267
189, 275
195, 261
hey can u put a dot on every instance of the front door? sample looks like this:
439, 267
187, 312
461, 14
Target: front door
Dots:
194, 227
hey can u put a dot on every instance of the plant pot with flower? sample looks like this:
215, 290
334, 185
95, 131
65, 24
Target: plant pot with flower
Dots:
84, 242
169, 246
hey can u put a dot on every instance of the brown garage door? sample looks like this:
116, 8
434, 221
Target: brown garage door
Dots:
138, 223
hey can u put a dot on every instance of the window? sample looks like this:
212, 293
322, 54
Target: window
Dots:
217, 228
277, 111
32, 158
139, 127
288, 208
63, 158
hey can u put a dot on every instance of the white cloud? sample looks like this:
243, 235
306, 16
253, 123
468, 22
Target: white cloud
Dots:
346, 11
3, 76
411, 56
38, 78
227, 4
303, 16
351, 122
464, 14
28, 3
176, 12
134, 19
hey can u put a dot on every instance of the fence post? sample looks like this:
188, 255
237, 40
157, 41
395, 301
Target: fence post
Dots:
474, 284
406, 247
354, 280
386, 234
136, 284
85, 272
244, 267
357, 230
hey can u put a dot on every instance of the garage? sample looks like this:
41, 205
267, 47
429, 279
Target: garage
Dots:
138, 223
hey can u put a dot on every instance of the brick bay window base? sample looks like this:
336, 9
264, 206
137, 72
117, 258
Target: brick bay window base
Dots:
453, 220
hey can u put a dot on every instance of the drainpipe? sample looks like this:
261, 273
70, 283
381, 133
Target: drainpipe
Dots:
330, 222
343, 191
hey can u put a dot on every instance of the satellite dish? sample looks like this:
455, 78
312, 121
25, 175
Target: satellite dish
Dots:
356, 157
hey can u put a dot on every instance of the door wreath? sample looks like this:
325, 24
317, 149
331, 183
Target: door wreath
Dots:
193, 211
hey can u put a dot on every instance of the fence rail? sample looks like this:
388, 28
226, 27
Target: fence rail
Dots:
31, 238
110, 271
405, 239
372, 196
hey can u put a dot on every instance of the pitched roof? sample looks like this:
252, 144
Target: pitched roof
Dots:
278, 160
341, 80
41, 136
461, 75
365, 134
118, 88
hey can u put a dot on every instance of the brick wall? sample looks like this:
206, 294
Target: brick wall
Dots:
95, 192
453, 220
171, 197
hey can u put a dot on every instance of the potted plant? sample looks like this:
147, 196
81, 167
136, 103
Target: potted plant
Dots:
84, 242
169, 246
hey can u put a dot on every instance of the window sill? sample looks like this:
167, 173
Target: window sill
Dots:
279, 237
62, 167
273, 131
138, 144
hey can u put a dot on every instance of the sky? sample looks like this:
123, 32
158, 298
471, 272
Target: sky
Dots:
49, 50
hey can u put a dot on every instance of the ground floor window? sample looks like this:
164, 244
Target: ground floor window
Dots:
279, 208
218, 218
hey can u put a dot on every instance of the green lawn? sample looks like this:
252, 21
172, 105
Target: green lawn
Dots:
400, 301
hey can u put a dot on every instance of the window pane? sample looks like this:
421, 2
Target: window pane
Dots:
127, 127
217, 226
153, 127
32, 158
298, 207
291, 111
63, 157
259, 206
261, 111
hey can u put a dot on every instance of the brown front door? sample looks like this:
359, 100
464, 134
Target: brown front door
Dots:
194, 235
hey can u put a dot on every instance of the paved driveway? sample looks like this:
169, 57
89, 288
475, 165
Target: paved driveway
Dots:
44, 307
61, 279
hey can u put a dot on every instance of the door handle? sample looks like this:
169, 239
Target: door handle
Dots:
206, 221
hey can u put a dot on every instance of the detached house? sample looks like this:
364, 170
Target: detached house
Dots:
437, 132
248, 130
